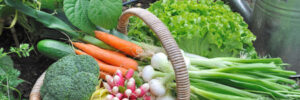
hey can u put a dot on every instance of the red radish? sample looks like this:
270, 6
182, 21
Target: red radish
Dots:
132, 97
131, 84
119, 95
115, 98
109, 80
106, 86
138, 92
129, 74
115, 90
147, 97
118, 81
128, 93
121, 79
109, 97
144, 89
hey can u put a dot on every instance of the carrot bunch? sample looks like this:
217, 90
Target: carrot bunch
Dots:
111, 61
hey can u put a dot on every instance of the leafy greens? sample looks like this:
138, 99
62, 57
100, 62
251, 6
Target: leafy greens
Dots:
208, 28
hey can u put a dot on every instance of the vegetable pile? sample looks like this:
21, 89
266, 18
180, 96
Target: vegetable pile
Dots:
224, 78
208, 28
132, 69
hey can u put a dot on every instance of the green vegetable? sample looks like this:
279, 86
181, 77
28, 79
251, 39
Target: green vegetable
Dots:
228, 78
73, 77
51, 4
77, 13
8, 78
208, 28
54, 49
105, 13
53, 22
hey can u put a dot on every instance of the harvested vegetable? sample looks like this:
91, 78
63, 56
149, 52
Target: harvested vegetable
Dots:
114, 52
54, 49
226, 78
107, 57
208, 28
72, 77
109, 69
120, 44
99, 94
103, 74
121, 88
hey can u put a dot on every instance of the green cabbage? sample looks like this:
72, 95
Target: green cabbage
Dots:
208, 28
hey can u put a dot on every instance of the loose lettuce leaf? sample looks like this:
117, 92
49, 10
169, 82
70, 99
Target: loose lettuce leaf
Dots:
208, 28
105, 13
77, 12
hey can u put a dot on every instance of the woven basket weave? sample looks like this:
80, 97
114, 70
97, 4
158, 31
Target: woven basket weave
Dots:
169, 44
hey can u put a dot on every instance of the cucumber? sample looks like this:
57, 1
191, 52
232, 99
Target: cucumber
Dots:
54, 49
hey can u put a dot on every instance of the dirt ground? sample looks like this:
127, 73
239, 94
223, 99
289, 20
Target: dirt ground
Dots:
30, 67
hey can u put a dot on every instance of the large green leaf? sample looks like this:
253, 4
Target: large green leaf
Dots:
48, 20
77, 12
105, 13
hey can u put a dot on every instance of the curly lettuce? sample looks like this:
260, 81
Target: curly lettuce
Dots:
208, 28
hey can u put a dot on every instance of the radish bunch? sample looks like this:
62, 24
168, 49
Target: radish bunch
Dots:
124, 88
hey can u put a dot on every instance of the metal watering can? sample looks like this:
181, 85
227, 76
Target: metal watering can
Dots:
276, 24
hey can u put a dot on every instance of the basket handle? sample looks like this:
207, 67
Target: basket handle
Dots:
169, 44
35, 92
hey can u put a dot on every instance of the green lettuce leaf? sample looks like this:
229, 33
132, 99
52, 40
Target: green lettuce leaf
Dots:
208, 28
105, 13
77, 12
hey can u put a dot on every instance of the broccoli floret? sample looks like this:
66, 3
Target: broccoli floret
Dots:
72, 77
83, 82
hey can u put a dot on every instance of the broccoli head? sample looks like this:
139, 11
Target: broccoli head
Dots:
73, 77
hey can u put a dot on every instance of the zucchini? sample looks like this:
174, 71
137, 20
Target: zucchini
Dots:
54, 49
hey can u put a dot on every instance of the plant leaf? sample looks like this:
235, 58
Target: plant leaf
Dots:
105, 13
51, 4
77, 12
48, 20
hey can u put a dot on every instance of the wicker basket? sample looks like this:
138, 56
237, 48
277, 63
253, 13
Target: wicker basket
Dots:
169, 44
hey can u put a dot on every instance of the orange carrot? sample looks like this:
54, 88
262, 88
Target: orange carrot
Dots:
111, 69
118, 53
120, 44
78, 52
108, 57
102, 75
103, 66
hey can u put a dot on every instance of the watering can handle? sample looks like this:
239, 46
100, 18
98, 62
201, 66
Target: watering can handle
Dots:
243, 7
